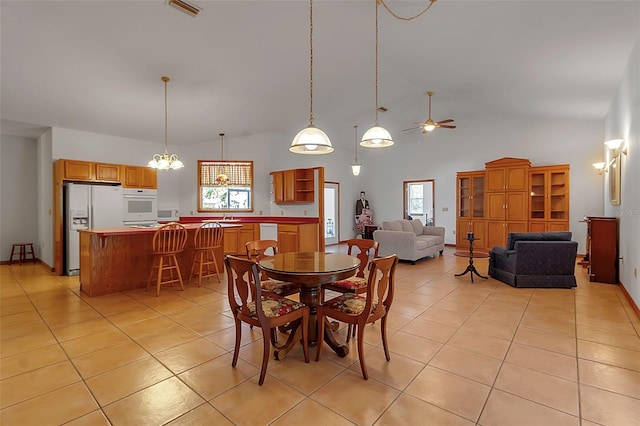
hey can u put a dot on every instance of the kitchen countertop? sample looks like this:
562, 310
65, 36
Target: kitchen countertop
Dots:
106, 232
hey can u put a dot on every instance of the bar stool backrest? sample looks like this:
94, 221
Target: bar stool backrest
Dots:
208, 236
169, 239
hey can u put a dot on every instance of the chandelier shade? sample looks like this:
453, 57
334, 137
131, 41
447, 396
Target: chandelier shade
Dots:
165, 161
311, 140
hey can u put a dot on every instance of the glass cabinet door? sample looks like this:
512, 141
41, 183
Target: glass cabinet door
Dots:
537, 194
478, 196
464, 197
558, 196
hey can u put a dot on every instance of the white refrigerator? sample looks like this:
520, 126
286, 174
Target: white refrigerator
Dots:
88, 207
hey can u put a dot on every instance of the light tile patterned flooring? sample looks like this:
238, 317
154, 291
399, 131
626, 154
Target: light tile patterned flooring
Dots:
462, 353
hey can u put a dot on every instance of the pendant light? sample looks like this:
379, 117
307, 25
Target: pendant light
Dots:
355, 167
222, 178
311, 140
376, 137
165, 161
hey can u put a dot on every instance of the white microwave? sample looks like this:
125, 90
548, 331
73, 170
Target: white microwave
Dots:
168, 215
140, 205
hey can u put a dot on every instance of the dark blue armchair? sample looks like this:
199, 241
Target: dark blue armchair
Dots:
533, 259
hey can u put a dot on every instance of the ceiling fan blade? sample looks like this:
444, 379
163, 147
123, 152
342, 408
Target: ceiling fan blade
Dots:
411, 128
448, 120
445, 126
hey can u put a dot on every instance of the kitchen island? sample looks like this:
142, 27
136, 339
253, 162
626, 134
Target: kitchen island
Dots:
117, 259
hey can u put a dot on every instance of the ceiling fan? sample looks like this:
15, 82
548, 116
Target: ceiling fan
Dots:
428, 125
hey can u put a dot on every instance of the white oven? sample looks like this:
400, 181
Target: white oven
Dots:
140, 206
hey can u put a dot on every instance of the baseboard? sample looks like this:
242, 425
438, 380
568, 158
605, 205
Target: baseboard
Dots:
38, 261
630, 300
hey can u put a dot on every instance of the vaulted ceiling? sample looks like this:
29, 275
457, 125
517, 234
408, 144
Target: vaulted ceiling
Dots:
243, 66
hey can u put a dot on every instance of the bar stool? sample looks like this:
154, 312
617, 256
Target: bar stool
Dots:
24, 249
207, 239
168, 240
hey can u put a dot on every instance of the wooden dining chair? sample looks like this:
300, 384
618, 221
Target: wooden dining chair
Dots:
364, 250
357, 310
168, 240
256, 251
207, 239
265, 310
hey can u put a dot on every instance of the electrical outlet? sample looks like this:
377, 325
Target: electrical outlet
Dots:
260, 213
454, 232
281, 212
445, 209
305, 212
191, 212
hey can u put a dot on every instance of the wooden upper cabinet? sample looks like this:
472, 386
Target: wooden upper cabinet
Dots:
470, 200
78, 170
293, 186
108, 172
140, 177
507, 174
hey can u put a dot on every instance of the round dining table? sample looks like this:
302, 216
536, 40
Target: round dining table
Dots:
311, 270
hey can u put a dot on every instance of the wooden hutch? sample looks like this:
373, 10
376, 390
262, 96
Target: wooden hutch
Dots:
511, 195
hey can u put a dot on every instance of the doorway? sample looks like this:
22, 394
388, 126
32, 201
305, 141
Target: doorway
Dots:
331, 213
418, 200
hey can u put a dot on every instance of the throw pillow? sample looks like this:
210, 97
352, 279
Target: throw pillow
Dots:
417, 226
406, 225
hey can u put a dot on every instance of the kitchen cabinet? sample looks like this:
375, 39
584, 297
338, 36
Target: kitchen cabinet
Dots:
78, 170
549, 198
140, 177
300, 237
235, 239
293, 186
107, 172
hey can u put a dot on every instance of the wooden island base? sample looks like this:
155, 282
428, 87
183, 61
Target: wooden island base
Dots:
118, 259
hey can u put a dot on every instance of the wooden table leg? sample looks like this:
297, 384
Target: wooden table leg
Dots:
310, 296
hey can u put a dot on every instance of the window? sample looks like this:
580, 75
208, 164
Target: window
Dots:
416, 199
235, 196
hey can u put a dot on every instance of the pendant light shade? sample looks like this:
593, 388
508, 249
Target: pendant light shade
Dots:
311, 140
376, 137
355, 167
165, 161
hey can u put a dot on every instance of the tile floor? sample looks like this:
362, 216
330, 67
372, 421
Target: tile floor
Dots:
462, 353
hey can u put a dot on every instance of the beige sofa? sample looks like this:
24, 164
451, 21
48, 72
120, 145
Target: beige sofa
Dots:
409, 239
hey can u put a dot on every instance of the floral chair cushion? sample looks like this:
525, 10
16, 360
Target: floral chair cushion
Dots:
278, 287
275, 306
348, 303
352, 283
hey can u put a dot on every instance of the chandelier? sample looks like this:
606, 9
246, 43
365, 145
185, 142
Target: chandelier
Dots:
311, 140
222, 178
377, 136
355, 167
165, 161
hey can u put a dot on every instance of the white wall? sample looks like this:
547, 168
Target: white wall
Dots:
623, 121
18, 194
45, 197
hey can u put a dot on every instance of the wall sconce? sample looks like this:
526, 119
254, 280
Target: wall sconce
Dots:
601, 167
614, 145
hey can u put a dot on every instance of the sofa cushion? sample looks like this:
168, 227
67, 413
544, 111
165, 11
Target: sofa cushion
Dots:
424, 241
417, 226
392, 226
406, 225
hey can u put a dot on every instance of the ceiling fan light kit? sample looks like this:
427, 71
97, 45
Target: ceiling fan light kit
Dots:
311, 140
165, 161
429, 125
